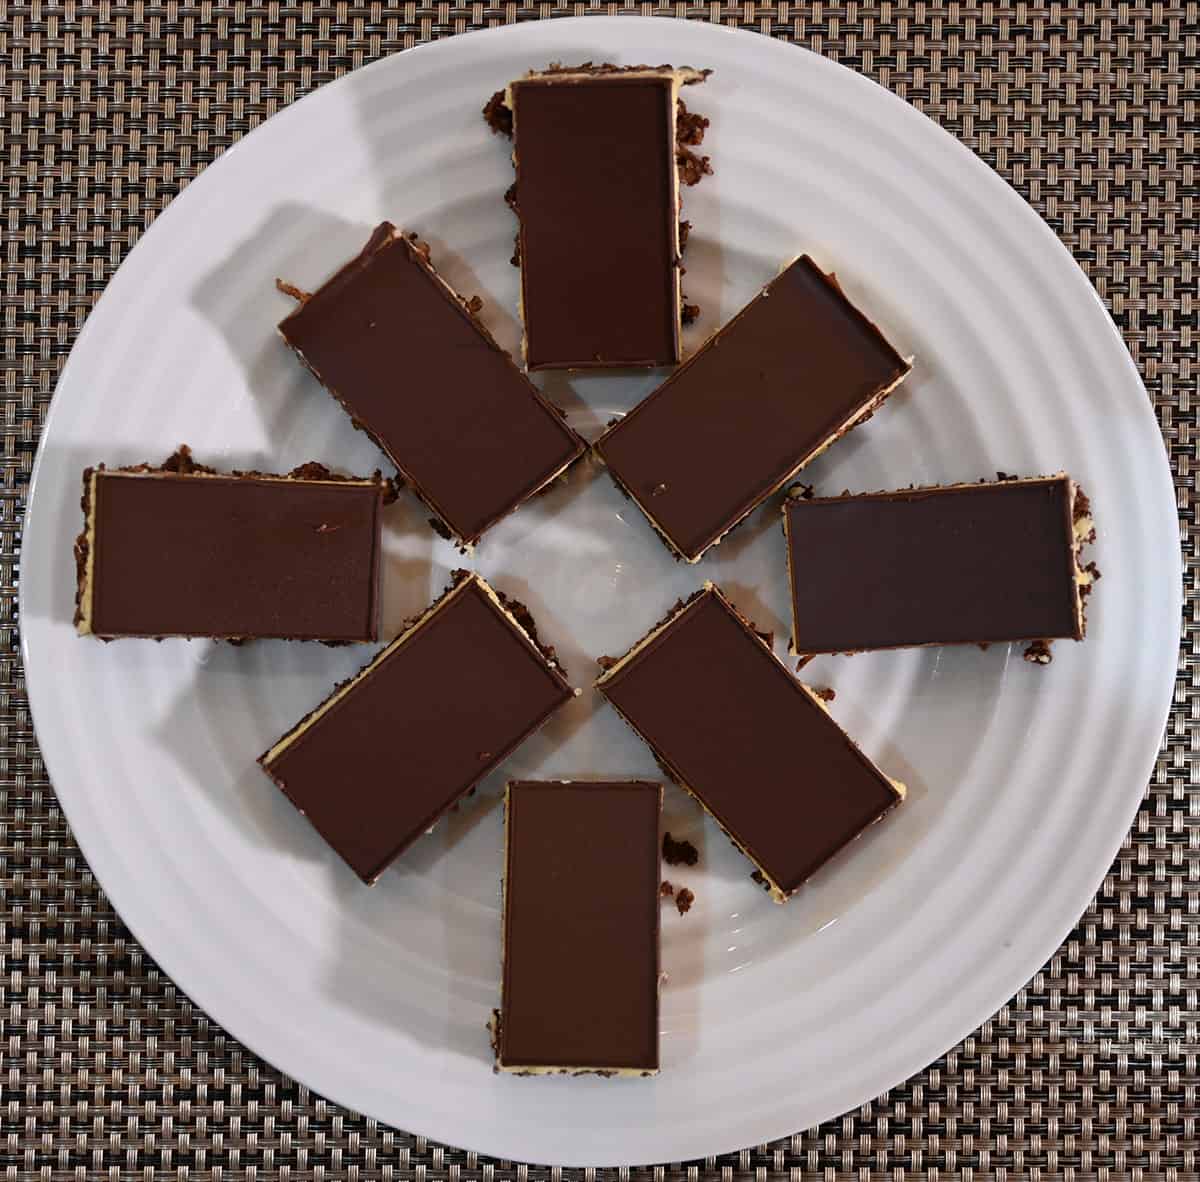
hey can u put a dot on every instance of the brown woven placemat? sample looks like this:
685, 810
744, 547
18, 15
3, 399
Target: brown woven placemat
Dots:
108, 110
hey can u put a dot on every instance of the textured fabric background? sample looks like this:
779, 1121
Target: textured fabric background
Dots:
108, 110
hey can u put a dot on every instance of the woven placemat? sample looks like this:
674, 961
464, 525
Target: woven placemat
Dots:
108, 110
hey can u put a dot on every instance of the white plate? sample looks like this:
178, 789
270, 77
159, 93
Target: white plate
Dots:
1023, 780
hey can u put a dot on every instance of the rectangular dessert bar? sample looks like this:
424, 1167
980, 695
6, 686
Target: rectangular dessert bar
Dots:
412, 365
730, 724
581, 906
391, 750
597, 197
792, 372
183, 550
965, 563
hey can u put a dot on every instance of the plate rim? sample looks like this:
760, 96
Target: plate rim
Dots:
1102, 857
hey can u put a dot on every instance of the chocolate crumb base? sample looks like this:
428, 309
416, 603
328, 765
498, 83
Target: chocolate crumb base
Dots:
493, 1029
690, 128
679, 853
612, 68
181, 463
517, 610
82, 548
684, 899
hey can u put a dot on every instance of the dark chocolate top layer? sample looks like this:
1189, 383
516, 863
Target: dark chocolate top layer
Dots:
581, 908
736, 729
749, 408
234, 557
421, 376
434, 713
595, 161
980, 562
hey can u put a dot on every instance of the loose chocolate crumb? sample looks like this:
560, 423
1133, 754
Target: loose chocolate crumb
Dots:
606, 663
422, 248
179, 461
474, 305
689, 132
684, 900
824, 692
679, 853
665, 767
685, 229
1083, 508
804, 661
497, 116
690, 313
759, 877
691, 167
768, 638
690, 128
440, 528
667, 891
1038, 652
290, 289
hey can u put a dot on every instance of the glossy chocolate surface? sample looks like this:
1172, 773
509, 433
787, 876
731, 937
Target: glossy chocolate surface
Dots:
416, 370
413, 731
234, 557
738, 731
971, 563
595, 162
581, 916
751, 407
